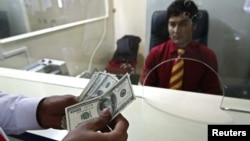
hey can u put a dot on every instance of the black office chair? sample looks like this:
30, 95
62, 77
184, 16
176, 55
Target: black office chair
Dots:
125, 58
159, 29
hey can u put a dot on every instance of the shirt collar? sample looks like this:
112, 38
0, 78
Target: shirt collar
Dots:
186, 48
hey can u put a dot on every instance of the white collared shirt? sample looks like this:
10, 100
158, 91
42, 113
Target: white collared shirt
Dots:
18, 113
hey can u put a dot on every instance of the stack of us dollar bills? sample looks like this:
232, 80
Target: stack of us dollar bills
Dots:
104, 90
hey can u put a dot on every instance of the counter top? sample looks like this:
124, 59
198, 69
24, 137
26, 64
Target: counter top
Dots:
156, 114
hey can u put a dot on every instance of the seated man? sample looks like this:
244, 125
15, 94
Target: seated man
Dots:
199, 72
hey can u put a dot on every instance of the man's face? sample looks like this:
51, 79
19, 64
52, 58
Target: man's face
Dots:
180, 29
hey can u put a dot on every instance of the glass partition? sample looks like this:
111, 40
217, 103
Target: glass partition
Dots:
29, 18
169, 106
236, 98
77, 36
228, 37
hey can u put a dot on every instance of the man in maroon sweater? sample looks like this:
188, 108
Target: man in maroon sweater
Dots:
200, 63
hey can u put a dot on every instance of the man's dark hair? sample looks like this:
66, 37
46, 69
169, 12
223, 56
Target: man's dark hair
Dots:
186, 7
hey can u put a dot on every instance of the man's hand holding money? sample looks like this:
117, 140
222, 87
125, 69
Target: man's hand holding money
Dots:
116, 129
51, 110
103, 91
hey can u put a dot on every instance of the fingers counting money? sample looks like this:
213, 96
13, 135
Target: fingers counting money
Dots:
104, 90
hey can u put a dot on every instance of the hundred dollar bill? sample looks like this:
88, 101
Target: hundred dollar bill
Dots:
109, 81
116, 99
92, 85
91, 81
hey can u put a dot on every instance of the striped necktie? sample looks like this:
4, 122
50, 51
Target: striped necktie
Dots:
177, 72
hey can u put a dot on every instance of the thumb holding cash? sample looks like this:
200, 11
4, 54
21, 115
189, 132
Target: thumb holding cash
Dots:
88, 131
